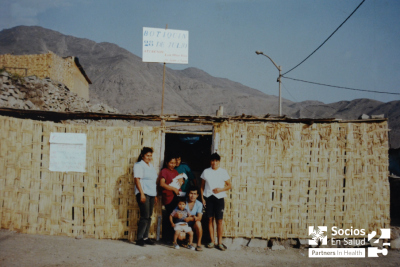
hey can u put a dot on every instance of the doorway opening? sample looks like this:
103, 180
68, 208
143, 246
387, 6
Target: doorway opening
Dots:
194, 148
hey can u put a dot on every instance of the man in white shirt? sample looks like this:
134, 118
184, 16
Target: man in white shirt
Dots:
215, 183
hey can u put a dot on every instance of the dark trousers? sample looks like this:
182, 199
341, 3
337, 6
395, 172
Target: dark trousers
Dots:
146, 210
168, 231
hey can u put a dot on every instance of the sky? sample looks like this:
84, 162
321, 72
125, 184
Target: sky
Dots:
224, 35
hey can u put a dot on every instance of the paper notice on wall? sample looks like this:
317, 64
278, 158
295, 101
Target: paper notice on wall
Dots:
67, 152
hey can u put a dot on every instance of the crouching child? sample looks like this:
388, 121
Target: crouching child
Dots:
180, 225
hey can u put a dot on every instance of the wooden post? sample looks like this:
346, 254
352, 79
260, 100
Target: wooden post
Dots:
158, 227
163, 88
215, 139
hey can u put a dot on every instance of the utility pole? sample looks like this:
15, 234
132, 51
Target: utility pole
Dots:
280, 96
278, 80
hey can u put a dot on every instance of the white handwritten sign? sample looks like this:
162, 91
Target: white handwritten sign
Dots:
67, 152
169, 46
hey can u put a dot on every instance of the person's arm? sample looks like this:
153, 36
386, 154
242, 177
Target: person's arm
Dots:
203, 184
199, 213
172, 221
190, 175
198, 217
227, 186
181, 181
178, 216
140, 189
168, 187
189, 217
137, 175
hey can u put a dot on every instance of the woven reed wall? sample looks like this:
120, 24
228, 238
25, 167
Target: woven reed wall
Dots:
99, 203
287, 177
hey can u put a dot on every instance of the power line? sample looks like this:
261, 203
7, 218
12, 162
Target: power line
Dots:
295, 98
289, 93
341, 87
325, 40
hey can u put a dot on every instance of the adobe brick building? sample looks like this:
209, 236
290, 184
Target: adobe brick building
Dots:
67, 70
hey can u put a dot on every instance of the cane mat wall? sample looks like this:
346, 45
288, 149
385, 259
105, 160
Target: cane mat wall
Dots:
99, 203
287, 177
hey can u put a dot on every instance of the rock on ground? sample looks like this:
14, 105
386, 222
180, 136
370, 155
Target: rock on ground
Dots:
258, 243
235, 243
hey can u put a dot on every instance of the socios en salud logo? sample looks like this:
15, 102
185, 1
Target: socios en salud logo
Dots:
319, 236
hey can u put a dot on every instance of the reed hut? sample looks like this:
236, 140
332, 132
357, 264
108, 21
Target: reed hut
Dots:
287, 174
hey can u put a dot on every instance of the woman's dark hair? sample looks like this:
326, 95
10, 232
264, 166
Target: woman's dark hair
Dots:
177, 154
215, 156
194, 188
168, 158
144, 151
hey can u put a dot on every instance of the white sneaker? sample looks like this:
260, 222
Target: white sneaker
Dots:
176, 246
191, 247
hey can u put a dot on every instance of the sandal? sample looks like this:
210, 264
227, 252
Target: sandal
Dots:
221, 247
199, 248
210, 245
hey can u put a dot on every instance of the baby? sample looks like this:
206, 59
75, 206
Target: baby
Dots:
180, 225
177, 183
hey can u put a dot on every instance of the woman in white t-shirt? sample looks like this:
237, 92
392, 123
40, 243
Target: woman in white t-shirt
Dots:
146, 193
215, 183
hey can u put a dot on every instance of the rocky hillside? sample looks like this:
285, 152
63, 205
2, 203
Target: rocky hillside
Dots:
120, 79
43, 94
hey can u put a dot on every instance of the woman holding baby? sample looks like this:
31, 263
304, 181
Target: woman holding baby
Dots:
169, 193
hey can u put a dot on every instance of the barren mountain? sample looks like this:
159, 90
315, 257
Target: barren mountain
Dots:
347, 110
123, 81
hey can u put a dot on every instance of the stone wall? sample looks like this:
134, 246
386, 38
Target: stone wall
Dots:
80, 84
36, 64
44, 94
49, 65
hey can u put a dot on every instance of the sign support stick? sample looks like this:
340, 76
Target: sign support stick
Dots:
163, 88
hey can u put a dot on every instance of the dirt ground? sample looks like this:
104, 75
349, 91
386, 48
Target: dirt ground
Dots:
40, 250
